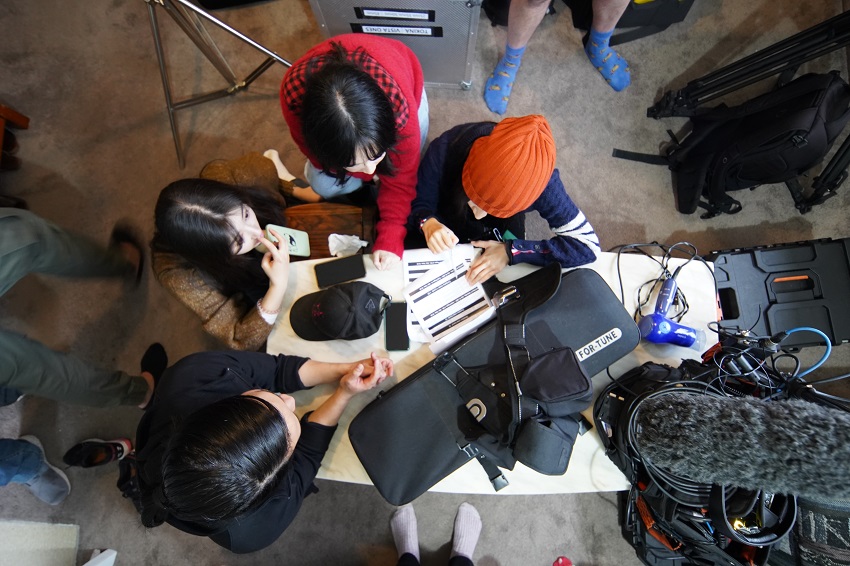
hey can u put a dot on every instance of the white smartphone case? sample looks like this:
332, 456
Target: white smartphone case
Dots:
298, 240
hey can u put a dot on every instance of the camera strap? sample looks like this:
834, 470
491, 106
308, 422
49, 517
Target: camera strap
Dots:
513, 304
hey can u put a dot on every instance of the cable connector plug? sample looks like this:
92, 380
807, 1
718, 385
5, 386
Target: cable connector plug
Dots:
772, 344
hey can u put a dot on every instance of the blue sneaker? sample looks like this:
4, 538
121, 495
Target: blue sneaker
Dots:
51, 485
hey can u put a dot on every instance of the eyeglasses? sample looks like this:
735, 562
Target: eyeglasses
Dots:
368, 161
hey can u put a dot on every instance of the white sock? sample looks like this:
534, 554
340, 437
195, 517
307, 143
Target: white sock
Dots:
282, 172
467, 530
403, 526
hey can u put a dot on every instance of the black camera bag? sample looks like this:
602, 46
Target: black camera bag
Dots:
424, 428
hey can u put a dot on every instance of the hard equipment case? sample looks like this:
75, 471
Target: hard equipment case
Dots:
770, 289
442, 33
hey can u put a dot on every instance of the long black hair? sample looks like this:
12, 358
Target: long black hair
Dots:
191, 221
221, 461
344, 110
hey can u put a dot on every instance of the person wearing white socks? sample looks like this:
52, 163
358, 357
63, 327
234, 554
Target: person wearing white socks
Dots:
466, 532
282, 172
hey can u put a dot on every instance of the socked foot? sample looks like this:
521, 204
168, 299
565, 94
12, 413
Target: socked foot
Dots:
613, 68
497, 90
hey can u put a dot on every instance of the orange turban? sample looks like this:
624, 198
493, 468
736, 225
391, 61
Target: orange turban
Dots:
508, 170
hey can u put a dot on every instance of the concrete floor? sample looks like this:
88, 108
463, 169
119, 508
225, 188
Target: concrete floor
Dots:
99, 148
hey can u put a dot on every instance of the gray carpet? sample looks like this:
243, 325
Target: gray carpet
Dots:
99, 148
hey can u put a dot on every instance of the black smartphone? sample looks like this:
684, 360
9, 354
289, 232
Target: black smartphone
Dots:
395, 329
340, 270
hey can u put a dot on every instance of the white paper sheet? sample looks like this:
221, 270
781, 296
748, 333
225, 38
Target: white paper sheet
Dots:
415, 264
446, 306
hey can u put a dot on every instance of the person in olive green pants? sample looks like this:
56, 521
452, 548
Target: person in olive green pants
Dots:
30, 244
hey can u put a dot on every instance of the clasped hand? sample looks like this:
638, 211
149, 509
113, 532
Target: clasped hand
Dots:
366, 374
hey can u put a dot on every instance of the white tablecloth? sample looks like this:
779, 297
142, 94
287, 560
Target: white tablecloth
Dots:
589, 469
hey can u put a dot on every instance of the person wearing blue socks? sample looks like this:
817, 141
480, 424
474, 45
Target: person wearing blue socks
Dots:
524, 17
608, 62
497, 91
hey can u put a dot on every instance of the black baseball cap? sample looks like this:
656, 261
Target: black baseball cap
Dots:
347, 311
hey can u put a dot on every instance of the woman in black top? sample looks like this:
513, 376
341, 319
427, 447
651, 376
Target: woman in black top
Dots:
221, 455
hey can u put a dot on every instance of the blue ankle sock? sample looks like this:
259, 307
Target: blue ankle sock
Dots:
613, 68
497, 91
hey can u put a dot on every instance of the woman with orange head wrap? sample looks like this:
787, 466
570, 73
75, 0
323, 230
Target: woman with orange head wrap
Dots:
475, 184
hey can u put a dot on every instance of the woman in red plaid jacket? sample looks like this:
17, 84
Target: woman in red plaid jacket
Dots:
356, 106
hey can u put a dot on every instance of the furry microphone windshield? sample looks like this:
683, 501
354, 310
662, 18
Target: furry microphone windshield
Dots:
793, 447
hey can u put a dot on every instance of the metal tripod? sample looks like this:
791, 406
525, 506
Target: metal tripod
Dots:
186, 15
782, 58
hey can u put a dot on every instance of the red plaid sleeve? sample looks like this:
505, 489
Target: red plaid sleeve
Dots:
295, 86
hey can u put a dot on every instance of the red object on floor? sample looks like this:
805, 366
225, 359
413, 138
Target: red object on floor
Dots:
561, 561
12, 119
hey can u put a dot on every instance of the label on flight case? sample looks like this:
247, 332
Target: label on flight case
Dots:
597, 345
394, 14
421, 31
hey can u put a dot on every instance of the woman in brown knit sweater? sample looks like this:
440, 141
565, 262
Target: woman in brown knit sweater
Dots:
205, 253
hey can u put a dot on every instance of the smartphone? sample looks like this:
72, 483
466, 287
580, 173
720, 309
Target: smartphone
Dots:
395, 329
340, 270
297, 241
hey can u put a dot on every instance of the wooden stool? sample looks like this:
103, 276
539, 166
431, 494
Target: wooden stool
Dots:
322, 219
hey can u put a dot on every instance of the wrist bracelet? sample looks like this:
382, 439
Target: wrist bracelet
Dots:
422, 223
264, 311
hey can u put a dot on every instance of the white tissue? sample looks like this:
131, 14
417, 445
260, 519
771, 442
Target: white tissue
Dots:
342, 246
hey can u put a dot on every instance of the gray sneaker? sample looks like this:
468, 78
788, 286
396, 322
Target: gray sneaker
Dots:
51, 485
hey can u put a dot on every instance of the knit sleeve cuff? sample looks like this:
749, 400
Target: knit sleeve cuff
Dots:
390, 238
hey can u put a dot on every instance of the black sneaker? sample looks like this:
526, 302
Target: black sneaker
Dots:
154, 360
123, 233
96, 452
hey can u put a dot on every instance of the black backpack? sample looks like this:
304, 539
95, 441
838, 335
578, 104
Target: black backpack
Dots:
773, 138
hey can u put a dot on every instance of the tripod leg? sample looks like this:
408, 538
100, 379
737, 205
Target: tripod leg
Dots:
165, 84
188, 17
189, 5
194, 29
789, 53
